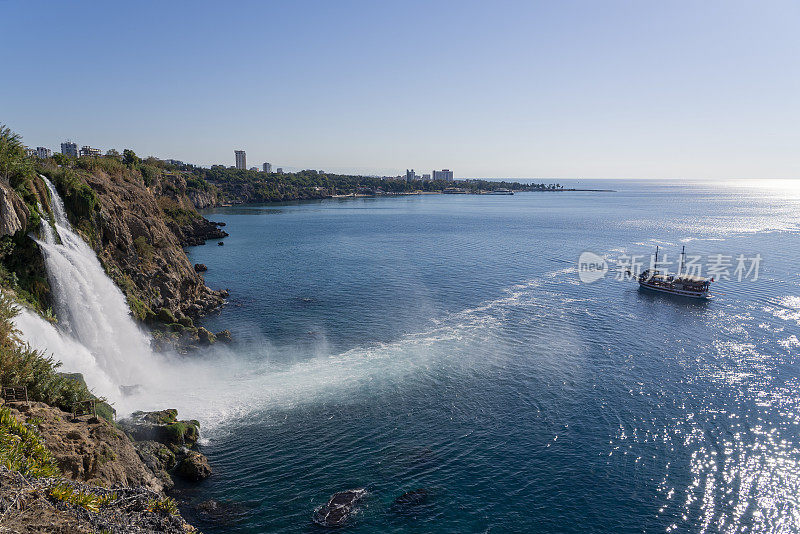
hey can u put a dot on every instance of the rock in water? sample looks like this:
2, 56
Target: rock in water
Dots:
410, 500
224, 336
200, 267
339, 508
221, 511
162, 426
194, 466
220, 244
205, 337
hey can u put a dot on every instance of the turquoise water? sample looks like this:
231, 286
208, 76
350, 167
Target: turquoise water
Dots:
446, 343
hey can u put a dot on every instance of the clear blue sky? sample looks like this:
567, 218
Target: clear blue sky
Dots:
637, 89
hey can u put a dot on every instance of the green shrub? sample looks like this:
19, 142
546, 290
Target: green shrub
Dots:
22, 366
150, 174
15, 166
163, 506
79, 199
85, 499
21, 448
143, 248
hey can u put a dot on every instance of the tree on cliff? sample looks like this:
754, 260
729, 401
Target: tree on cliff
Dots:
15, 165
130, 158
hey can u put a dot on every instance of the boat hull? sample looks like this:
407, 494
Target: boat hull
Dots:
703, 295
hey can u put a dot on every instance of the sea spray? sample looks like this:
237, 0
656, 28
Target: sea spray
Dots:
90, 308
97, 336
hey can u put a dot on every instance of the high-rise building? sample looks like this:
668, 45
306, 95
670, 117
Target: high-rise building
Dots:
43, 153
267, 167
445, 175
279, 170
426, 177
410, 175
68, 148
241, 159
91, 152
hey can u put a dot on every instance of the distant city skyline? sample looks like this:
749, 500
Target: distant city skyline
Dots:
516, 89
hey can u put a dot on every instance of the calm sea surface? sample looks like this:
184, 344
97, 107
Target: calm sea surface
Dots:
445, 342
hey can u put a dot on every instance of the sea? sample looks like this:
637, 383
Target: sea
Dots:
455, 345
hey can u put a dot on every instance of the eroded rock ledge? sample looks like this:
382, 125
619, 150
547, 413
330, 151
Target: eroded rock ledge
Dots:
133, 460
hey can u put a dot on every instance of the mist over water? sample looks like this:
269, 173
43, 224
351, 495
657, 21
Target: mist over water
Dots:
447, 343
96, 336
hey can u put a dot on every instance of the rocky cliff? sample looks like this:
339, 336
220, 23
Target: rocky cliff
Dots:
99, 480
138, 220
13, 212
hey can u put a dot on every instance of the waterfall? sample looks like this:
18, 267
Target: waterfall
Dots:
97, 337
96, 334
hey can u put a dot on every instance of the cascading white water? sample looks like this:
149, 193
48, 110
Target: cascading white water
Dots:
97, 336
90, 307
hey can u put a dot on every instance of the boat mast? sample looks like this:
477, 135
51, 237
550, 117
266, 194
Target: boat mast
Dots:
655, 263
683, 255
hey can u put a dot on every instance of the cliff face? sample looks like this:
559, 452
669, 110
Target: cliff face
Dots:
13, 212
178, 200
138, 235
102, 482
90, 449
137, 218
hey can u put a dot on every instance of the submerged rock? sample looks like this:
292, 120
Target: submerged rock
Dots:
417, 496
410, 500
194, 466
224, 336
205, 337
339, 508
221, 512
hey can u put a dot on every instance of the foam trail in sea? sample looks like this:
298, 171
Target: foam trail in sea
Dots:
97, 337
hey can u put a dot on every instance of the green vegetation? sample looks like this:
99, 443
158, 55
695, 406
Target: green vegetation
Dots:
88, 500
143, 248
65, 493
22, 366
175, 213
163, 506
18, 171
21, 448
150, 173
130, 158
238, 185
80, 200
16, 167
22, 270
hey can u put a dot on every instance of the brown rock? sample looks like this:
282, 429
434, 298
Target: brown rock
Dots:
194, 467
93, 452
161, 274
13, 211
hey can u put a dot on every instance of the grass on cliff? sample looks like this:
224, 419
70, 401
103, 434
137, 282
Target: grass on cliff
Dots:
20, 365
21, 448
